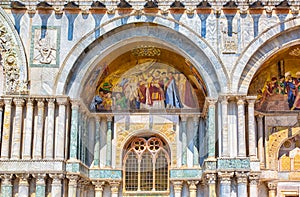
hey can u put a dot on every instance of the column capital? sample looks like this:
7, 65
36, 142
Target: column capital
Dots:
272, 185
254, 178
62, 100
192, 184
177, 185
50, 100
211, 101
224, 99
19, 102
211, 178
23, 179
73, 178
109, 118
40, 102
241, 177
259, 117
114, 186
7, 101
29, 102
184, 117
196, 118
225, 177
75, 104
240, 100
56, 178
251, 99
6, 179
40, 178
98, 185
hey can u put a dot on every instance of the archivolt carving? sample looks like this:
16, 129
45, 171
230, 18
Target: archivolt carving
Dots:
13, 60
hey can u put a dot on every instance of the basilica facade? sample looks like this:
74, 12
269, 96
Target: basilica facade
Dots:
149, 98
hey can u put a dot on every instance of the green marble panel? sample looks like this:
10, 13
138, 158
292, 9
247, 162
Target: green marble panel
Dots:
72, 167
227, 164
105, 174
185, 174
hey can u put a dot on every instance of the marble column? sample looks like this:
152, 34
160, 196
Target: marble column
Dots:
40, 188
61, 127
6, 129
211, 129
114, 187
184, 141
254, 180
211, 180
260, 143
6, 186
98, 188
97, 143
1, 116
224, 141
241, 178
203, 143
177, 188
74, 146
17, 127
38, 130
23, 190
196, 141
241, 128
225, 183
84, 137
193, 188
272, 189
72, 187
56, 186
49, 138
251, 127
109, 141
27, 135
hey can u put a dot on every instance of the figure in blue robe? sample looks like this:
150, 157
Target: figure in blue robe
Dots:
172, 93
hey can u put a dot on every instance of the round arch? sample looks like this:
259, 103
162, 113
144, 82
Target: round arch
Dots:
260, 49
75, 71
13, 58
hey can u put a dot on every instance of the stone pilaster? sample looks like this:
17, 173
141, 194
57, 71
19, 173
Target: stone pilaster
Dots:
98, 188
61, 127
72, 187
17, 127
56, 186
27, 136
177, 188
193, 188
109, 142
6, 186
241, 128
38, 130
40, 188
97, 144
74, 145
251, 127
254, 180
272, 186
49, 136
6, 129
224, 141
196, 141
211, 181
184, 140
225, 183
23, 190
260, 143
1, 117
241, 178
211, 129
114, 187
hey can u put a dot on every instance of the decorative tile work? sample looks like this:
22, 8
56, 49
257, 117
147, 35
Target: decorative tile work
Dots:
186, 174
33, 166
105, 174
227, 164
45, 46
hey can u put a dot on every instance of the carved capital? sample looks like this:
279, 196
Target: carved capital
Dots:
254, 178
109, 118
73, 179
210, 178
51, 102
19, 102
211, 102
225, 177
75, 104
114, 186
224, 100
184, 118
98, 185
192, 185
240, 100
62, 100
29, 102
272, 185
7, 101
6, 179
40, 178
56, 178
177, 186
251, 100
241, 177
23, 179
40, 102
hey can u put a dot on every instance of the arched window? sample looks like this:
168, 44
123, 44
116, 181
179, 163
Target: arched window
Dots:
146, 166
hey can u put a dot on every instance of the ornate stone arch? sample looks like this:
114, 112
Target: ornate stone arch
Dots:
185, 40
13, 58
260, 49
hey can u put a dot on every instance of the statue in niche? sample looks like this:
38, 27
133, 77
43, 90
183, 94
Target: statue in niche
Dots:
144, 87
45, 55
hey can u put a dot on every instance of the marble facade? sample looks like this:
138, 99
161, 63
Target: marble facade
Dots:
55, 53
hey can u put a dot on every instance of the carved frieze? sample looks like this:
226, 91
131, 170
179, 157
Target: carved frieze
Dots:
240, 163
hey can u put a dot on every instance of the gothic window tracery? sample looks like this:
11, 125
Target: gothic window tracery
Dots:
146, 166
289, 155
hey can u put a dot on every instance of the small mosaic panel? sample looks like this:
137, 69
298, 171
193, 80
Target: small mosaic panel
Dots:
105, 174
233, 163
186, 174
45, 46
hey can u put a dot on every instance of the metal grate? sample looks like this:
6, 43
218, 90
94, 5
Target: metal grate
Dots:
131, 175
